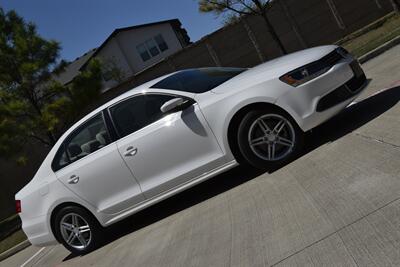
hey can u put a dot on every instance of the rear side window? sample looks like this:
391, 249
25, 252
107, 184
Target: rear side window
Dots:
88, 138
137, 112
198, 80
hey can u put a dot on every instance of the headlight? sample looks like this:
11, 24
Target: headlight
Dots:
305, 74
314, 69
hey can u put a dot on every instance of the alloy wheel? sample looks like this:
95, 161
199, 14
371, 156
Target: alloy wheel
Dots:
271, 137
75, 231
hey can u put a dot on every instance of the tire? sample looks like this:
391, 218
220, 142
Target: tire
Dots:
83, 239
266, 145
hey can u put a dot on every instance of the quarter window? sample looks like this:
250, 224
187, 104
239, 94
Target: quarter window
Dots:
137, 112
88, 138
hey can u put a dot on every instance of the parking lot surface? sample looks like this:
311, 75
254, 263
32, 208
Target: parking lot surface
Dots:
336, 205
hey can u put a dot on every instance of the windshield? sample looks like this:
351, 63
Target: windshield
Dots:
198, 80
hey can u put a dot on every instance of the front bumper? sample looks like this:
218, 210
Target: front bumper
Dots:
322, 98
348, 90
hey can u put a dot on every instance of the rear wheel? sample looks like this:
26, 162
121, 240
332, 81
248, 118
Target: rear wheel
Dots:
77, 230
269, 138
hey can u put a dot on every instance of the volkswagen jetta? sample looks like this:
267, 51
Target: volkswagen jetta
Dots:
177, 131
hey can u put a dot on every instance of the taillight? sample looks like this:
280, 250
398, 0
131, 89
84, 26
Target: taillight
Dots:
18, 206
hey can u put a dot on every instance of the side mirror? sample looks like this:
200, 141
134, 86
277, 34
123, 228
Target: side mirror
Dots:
175, 104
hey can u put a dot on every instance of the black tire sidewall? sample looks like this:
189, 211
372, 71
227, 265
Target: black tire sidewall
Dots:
248, 153
94, 225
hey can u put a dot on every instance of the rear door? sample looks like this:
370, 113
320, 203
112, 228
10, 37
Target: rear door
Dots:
163, 151
90, 165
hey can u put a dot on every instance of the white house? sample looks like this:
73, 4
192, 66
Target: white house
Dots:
131, 50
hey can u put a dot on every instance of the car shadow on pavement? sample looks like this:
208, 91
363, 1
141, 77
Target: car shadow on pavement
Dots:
344, 123
353, 118
350, 119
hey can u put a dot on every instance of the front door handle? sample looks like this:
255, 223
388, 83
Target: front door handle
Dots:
130, 151
73, 179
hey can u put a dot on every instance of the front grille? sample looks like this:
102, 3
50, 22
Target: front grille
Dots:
344, 92
333, 98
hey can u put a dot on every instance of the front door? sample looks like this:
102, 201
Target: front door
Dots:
163, 151
92, 167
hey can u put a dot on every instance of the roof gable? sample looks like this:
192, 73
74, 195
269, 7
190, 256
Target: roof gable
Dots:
73, 68
173, 22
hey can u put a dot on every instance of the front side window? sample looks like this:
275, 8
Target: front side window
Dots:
88, 138
137, 112
198, 80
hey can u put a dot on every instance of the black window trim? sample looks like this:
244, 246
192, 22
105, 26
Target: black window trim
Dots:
62, 147
118, 135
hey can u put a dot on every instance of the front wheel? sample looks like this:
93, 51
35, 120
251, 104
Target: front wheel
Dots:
269, 138
77, 230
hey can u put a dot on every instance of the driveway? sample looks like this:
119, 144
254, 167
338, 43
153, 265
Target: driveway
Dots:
338, 204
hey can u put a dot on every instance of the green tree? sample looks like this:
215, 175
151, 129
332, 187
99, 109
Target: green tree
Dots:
111, 70
241, 8
33, 106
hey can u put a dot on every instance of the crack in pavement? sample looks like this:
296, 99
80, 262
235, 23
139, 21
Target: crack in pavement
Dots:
375, 140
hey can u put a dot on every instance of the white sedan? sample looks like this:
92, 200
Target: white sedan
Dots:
177, 131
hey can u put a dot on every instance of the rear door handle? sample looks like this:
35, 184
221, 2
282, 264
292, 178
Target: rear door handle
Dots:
73, 179
130, 151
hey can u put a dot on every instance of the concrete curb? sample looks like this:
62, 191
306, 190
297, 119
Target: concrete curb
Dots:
379, 50
14, 250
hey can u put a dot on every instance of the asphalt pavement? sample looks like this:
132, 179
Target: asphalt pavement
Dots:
336, 205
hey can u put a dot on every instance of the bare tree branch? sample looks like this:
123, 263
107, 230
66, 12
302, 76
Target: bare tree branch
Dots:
43, 141
244, 7
229, 7
243, 2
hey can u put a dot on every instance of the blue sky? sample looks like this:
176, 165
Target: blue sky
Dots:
84, 24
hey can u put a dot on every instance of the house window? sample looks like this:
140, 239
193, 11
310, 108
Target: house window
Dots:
107, 75
161, 42
152, 47
144, 54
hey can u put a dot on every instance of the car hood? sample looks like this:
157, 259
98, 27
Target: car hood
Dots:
275, 68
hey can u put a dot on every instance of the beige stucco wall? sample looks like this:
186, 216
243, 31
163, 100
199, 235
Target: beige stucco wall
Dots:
130, 39
112, 51
122, 49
